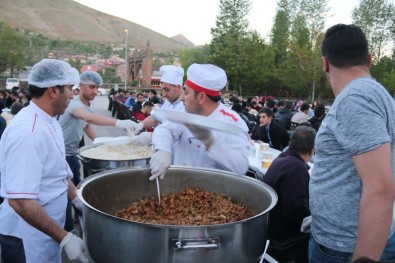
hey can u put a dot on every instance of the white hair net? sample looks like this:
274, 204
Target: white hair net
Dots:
91, 77
52, 72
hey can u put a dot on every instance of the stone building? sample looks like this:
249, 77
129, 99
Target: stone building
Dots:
139, 67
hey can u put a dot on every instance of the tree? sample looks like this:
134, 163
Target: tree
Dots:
227, 39
108, 75
196, 55
307, 26
280, 32
376, 19
12, 45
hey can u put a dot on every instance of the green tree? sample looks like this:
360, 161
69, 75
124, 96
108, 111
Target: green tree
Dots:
196, 55
12, 45
376, 19
108, 75
307, 26
281, 30
256, 62
228, 36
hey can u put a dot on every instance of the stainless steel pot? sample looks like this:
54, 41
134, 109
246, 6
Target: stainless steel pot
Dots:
94, 166
112, 239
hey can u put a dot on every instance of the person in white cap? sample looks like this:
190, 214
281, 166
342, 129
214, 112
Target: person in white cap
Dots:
171, 83
197, 146
35, 177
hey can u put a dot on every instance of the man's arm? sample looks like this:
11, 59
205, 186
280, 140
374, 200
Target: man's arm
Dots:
93, 118
90, 132
34, 214
71, 190
377, 200
149, 122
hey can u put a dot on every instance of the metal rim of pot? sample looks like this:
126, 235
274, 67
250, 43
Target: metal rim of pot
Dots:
94, 177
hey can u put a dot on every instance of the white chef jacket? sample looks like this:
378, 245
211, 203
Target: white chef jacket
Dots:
33, 166
178, 105
229, 151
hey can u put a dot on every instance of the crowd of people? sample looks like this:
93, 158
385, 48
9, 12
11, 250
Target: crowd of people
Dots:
341, 210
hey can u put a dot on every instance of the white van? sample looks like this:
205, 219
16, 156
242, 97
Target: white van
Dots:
11, 82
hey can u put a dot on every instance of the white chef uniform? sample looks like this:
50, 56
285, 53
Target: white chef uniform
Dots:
178, 105
36, 170
228, 152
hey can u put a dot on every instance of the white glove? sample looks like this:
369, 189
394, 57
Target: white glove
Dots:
129, 125
306, 224
159, 163
202, 134
144, 138
77, 203
75, 248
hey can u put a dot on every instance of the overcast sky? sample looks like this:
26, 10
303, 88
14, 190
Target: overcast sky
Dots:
194, 19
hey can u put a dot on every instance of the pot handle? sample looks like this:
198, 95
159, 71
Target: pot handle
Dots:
208, 243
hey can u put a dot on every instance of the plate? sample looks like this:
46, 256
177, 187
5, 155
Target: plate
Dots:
189, 118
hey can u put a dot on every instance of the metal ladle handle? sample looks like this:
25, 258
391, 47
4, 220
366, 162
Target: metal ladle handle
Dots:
157, 187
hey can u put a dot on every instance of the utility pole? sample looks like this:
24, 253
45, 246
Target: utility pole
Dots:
126, 57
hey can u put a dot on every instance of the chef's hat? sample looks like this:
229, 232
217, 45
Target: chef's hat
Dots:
172, 74
51, 72
206, 78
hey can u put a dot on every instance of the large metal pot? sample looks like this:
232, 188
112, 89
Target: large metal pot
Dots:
112, 239
94, 166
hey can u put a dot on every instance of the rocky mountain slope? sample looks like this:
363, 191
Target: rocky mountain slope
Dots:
67, 19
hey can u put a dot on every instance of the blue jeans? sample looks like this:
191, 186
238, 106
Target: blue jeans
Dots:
389, 251
75, 168
12, 249
321, 254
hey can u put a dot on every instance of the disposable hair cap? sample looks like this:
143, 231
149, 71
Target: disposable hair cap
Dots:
52, 72
91, 77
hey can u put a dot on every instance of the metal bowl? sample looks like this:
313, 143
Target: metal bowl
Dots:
94, 166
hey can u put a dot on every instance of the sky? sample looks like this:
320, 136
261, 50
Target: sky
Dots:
194, 19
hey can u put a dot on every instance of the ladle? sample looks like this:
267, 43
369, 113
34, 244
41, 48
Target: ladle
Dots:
157, 187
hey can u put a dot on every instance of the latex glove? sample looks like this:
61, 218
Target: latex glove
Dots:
75, 248
159, 163
129, 125
77, 203
202, 134
144, 138
306, 224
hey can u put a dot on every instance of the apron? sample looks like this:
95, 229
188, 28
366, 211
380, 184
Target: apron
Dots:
38, 246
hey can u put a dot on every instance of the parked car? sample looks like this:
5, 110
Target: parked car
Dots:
100, 91
11, 82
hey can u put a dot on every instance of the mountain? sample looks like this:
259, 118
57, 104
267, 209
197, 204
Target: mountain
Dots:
67, 19
183, 40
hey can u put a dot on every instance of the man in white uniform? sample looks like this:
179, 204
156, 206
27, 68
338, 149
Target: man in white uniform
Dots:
35, 177
198, 146
171, 83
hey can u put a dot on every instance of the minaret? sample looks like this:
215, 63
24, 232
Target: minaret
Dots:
147, 67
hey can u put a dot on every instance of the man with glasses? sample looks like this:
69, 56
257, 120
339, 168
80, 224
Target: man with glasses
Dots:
77, 120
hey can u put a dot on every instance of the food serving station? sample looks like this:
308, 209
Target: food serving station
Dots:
112, 239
